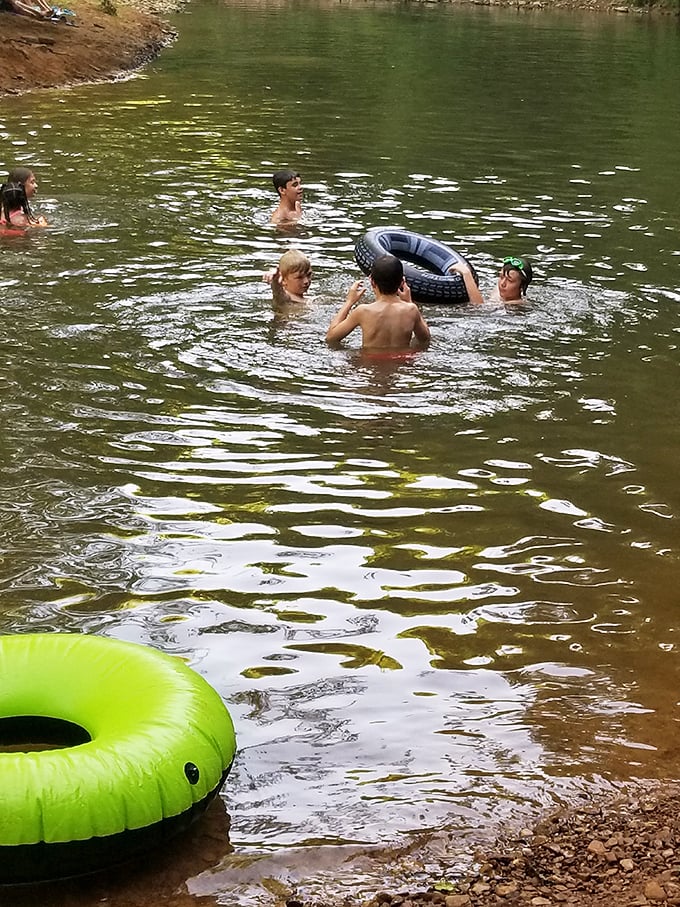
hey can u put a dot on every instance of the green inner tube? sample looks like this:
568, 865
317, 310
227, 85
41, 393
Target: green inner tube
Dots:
106, 748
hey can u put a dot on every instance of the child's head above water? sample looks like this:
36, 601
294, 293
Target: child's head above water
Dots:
296, 273
294, 261
281, 179
517, 271
387, 273
13, 199
25, 177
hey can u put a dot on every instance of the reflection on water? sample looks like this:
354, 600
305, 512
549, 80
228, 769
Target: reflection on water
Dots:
439, 589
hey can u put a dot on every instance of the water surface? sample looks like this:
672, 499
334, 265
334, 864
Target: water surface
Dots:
437, 593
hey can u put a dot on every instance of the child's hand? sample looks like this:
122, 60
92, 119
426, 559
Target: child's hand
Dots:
404, 292
279, 294
270, 275
463, 268
355, 292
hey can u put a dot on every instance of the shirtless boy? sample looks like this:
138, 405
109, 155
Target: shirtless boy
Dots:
288, 184
391, 321
291, 279
516, 275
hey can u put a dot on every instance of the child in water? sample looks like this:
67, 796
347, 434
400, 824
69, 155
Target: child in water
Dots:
511, 287
392, 321
291, 279
288, 186
15, 195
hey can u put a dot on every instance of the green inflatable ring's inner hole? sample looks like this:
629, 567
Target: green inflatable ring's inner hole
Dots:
32, 733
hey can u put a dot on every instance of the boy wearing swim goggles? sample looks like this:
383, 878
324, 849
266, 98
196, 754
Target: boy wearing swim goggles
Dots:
516, 275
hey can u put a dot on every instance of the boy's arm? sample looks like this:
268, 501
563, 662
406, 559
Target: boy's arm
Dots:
346, 320
474, 295
279, 295
421, 329
404, 292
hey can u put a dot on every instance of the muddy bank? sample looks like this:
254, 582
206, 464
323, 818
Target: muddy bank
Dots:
99, 46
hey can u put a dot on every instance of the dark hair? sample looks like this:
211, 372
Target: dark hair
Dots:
387, 272
19, 175
13, 198
282, 177
526, 273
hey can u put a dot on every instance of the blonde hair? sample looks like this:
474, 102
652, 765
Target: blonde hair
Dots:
294, 261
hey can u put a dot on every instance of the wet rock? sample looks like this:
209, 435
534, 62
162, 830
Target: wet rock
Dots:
620, 853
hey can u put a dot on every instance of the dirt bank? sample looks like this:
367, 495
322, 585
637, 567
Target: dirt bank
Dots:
100, 46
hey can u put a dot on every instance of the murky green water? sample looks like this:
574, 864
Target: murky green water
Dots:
435, 593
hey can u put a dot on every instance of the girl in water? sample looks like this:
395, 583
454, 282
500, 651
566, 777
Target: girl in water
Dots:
15, 195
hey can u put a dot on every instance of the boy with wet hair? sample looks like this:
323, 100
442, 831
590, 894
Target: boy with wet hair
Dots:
291, 279
288, 185
391, 321
513, 281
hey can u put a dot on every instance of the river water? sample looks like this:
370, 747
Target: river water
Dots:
437, 593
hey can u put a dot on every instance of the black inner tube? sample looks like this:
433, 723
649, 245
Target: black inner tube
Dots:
426, 267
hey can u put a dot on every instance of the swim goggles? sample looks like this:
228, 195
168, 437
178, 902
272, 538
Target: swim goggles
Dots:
516, 263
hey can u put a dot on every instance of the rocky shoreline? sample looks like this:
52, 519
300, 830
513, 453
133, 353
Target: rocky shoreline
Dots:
622, 852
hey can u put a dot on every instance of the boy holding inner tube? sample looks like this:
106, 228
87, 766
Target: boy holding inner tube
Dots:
516, 275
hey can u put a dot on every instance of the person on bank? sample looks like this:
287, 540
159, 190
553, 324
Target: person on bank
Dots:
391, 321
288, 185
39, 9
511, 287
36, 9
15, 198
291, 279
